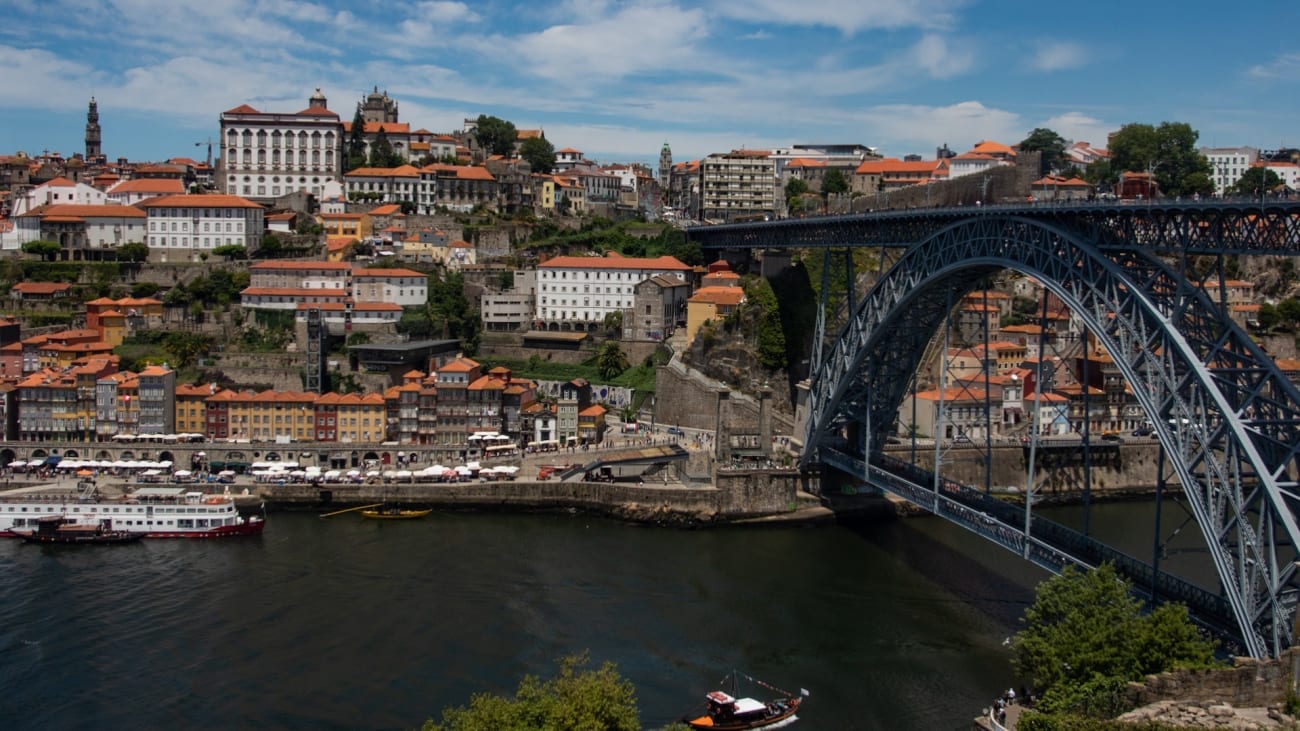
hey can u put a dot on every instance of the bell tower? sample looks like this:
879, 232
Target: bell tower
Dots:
94, 149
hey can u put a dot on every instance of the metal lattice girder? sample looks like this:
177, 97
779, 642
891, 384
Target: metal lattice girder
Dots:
1193, 227
1226, 416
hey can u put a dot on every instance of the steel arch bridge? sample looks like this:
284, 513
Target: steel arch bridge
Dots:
1227, 418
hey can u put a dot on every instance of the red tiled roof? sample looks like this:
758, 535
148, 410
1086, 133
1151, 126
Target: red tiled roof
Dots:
613, 262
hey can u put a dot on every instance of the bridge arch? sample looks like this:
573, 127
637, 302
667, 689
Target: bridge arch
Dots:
1228, 420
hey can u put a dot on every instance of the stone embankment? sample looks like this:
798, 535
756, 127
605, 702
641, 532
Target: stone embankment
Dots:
1210, 714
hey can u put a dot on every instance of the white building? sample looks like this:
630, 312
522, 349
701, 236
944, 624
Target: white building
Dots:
81, 230
1228, 164
1289, 172
269, 154
391, 185
189, 225
131, 192
301, 274
576, 292
59, 191
403, 287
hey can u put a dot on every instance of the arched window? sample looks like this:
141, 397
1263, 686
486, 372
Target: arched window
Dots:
248, 138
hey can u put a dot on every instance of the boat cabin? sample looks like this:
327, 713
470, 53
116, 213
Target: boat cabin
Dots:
722, 705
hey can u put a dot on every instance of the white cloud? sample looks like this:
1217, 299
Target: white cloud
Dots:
907, 128
940, 60
847, 16
665, 37
1077, 127
1058, 56
1285, 67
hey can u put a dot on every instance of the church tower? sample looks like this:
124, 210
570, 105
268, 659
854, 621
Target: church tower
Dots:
378, 107
665, 166
94, 149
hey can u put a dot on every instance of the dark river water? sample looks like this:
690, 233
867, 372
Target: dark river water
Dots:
344, 623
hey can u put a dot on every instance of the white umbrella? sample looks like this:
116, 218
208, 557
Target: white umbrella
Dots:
18, 463
354, 473
402, 474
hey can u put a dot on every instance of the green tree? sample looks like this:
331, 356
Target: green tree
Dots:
1254, 179
356, 149
771, 352
1289, 311
1168, 151
47, 250
1047, 142
539, 153
140, 290
382, 154
611, 361
495, 136
1085, 625
795, 190
231, 251
186, 347
614, 322
1268, 317
133, 251
270, 246
579, 698
835, 182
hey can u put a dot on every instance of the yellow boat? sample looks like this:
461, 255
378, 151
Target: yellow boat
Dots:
392, 512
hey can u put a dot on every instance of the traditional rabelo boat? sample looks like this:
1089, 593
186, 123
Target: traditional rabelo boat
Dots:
60, 529
393, 512
726, 712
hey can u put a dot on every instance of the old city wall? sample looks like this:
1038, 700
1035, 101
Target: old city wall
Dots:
686, 398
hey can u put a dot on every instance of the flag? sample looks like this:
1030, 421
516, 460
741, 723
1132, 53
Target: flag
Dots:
804, 692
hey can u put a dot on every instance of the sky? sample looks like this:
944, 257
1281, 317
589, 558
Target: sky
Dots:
618, 80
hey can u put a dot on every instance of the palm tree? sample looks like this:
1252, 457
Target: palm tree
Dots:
611, 361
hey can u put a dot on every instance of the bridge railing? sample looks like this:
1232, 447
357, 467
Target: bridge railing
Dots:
1049, 545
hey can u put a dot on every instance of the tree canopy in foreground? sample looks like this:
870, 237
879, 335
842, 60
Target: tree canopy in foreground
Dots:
1086, 635
579, 698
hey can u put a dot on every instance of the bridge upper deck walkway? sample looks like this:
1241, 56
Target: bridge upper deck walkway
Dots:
1218, 226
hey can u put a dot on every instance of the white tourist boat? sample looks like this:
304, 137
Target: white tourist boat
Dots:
155, 512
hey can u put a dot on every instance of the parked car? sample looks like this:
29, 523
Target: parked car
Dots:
675, 431
1142, 431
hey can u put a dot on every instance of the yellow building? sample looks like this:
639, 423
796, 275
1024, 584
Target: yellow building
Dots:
361, 417
710, 303
261, 417
191, 407
112, 325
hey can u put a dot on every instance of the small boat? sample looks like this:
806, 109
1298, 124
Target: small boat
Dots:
59, 529
392, 512
726, 712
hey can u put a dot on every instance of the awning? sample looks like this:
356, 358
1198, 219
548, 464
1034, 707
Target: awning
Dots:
52, 460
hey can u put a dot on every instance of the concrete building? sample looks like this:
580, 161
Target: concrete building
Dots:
737, 184
1228, 164
131, 192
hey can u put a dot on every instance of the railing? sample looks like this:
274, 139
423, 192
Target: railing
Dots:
1049, 545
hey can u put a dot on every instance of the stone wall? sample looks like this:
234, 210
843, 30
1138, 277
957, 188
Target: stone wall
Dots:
684, 397
1248, 683
737, 495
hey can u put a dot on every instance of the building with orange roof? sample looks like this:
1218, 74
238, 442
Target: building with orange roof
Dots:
157, 386
882, 175
131, 192
189, 227
388, 185
719, 296
346, 226
457, 188
191, 407
453, 380
58, 191
1060, 188
300, 273
577, 292
262, 416
83, 231
351, 418
591, 424
58, 404
40, 291
573, 398
404, 287
270, 154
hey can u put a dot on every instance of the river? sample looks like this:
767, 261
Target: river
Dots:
344, 623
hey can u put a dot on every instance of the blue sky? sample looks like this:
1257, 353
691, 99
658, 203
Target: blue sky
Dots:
618, 79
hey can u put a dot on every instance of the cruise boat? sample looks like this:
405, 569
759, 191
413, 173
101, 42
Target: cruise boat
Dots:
153, 512
57, 529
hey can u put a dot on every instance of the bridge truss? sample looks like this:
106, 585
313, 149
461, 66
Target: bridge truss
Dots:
1227, 419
